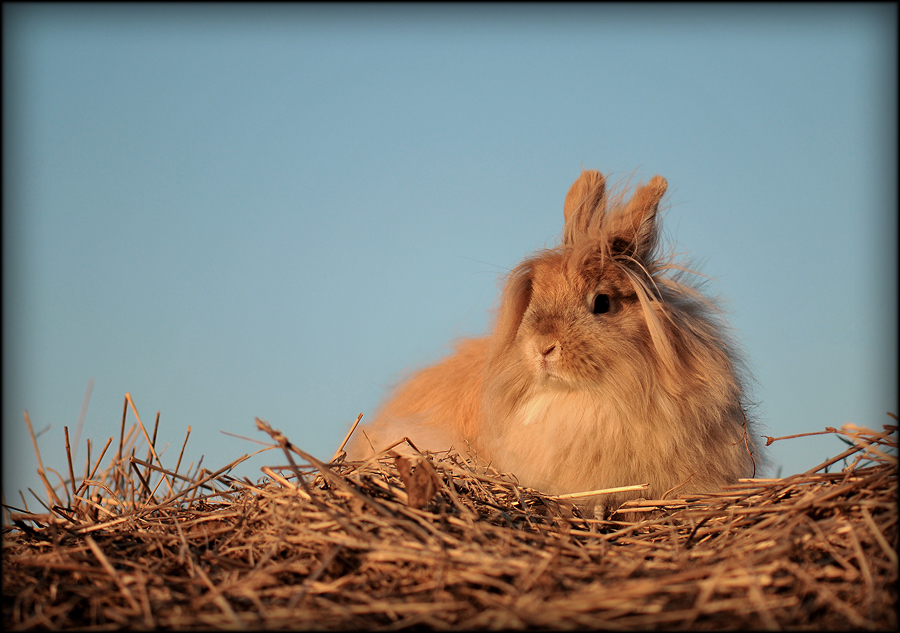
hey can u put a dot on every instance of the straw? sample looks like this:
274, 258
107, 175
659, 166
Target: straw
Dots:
435, 541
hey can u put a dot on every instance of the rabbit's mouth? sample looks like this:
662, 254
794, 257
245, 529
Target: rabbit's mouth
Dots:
547, 370
549, 376
545, 355
553, 376
552, 371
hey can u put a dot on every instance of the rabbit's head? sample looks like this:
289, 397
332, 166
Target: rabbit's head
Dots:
578, 312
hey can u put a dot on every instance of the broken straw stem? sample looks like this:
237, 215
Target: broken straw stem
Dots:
605, 491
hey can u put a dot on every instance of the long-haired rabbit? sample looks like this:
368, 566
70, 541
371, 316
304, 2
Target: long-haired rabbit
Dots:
605, 368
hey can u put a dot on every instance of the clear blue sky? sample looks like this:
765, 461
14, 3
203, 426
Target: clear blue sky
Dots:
276, 211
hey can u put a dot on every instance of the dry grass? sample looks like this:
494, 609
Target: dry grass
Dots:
436, 542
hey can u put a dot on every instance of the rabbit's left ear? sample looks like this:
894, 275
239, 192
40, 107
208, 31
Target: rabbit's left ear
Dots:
633, 229
584, 200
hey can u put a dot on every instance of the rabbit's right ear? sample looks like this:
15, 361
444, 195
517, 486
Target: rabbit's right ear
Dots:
584, 200
516, 297
634, 229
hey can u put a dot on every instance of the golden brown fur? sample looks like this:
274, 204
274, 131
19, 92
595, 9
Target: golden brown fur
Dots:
604, 368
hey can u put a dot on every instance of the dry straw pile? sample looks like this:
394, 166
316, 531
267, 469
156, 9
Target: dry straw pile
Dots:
435, 542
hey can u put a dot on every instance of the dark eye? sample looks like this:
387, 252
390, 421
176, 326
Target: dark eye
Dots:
601, 304
619, 246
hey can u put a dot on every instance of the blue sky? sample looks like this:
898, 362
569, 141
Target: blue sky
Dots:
277, 211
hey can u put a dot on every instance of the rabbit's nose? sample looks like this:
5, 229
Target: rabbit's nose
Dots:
544, 348
547, 348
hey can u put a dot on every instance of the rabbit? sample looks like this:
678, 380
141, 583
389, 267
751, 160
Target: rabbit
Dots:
605, 368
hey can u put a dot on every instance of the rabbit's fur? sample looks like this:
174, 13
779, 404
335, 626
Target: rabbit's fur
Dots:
605, 368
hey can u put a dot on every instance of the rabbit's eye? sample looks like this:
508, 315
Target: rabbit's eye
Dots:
620, 246
601, 304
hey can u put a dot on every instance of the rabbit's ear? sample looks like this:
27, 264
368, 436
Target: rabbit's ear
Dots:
585, 198
516, 297
633, 229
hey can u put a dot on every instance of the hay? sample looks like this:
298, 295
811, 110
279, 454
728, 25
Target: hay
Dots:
437, 542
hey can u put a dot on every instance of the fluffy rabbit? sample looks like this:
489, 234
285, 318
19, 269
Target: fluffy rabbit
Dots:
605, 368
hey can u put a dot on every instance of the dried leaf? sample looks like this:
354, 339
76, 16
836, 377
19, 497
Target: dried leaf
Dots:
420, 484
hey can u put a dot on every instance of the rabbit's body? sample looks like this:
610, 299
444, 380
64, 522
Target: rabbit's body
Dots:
604, 369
